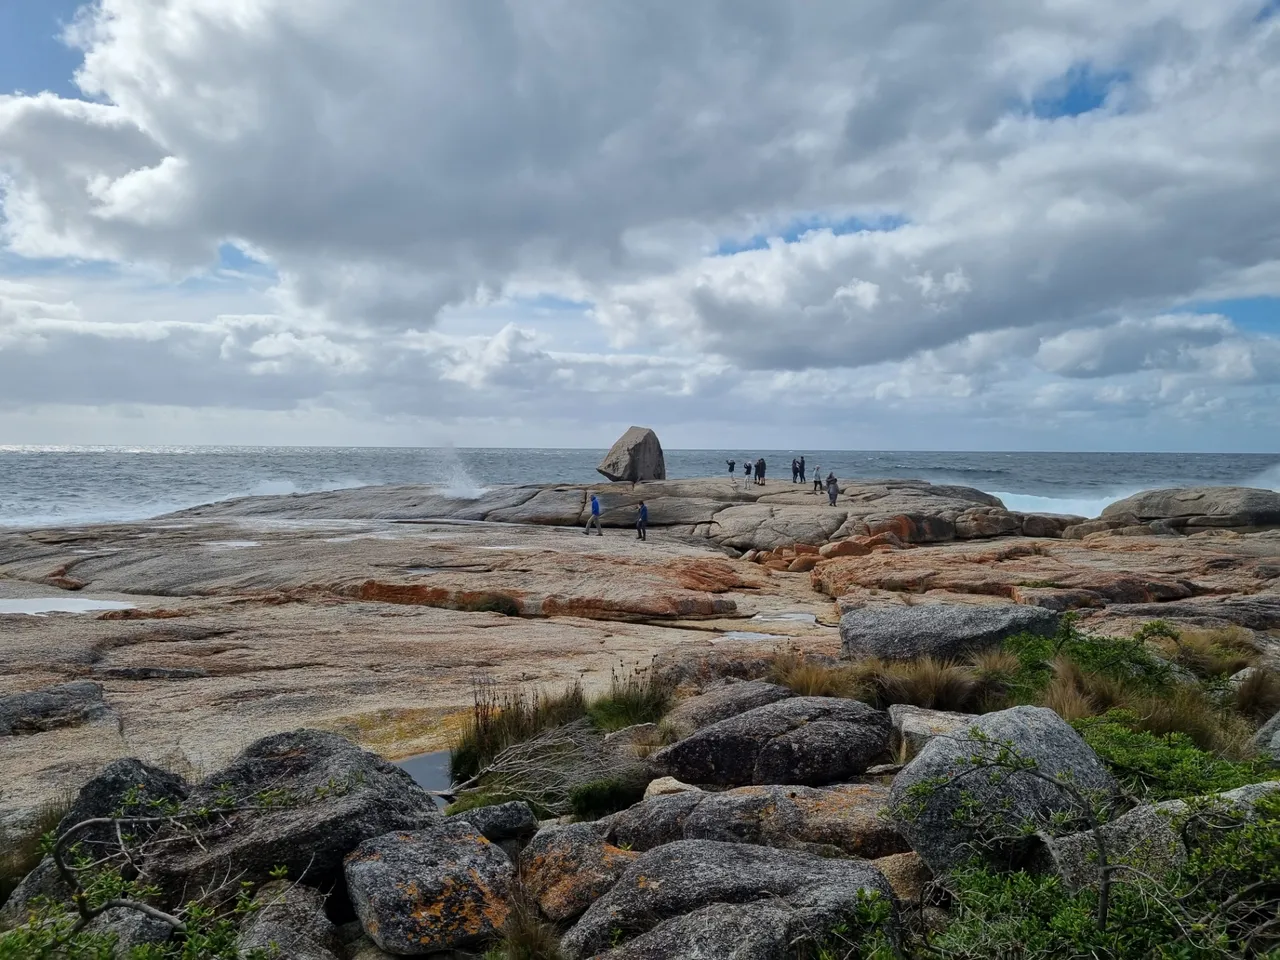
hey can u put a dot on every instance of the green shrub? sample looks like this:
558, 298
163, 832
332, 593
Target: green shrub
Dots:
1127, 661
636, 697
1164, 766
599, 798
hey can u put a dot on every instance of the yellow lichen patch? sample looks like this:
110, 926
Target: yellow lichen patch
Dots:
401, 731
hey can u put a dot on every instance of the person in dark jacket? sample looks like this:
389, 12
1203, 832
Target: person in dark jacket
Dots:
817, 479
733, 466
642, 522
760, 472
833, 489
802, 470
795, 470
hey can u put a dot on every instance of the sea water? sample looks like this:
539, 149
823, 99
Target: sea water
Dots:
42, 486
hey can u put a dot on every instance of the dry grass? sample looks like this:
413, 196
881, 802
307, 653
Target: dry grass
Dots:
20, 850
1188, 709
526, 935
1066, 693
1257, 697
930, 683
1212, 653
809, 679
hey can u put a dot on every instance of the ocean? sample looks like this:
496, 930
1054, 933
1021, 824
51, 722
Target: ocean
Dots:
46, 486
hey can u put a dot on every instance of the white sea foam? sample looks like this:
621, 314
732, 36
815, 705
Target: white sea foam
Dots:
1074, 506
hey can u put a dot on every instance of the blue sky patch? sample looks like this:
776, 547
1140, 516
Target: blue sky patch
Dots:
797, 228
33, 57
1255, 314
1079, 91
1269, 9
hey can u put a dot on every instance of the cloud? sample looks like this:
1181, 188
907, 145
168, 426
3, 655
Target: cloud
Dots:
1000, 207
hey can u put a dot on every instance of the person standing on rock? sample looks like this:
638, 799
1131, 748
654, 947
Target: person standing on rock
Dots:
746, 469
642, 522
594, 518
802, 469
795, 470
817, 479
833, 489
733, 467
760, 472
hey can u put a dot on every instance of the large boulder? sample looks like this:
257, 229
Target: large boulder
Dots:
513, 820
943, 630
67, 705
635, 457
721, 702
314, 797
290, 918
841, 820
126, 787
801, 740
1190, 508
438, 888
963, 791
680, 879
567, 868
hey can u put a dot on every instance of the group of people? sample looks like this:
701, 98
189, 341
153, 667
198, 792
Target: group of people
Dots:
798, 475
831, 485
748, 467
642, 519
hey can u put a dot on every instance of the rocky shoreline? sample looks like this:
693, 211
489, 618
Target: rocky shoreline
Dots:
371, 614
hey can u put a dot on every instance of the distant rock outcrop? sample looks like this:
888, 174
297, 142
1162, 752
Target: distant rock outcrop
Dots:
1191, 508
635, 457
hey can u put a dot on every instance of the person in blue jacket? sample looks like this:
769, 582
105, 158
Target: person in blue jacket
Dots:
594, 518
642, 522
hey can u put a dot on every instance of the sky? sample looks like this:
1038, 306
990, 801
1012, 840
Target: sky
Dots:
895, 224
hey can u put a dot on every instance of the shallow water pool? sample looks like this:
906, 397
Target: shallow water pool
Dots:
39, 606
429, 771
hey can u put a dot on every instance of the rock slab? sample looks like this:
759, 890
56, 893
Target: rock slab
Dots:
680, 879
319, 796
635, 457
722, 702
942, 630
428, 890
67, 705
802, 740
290, 918
937, 825
1237, 508
567, 868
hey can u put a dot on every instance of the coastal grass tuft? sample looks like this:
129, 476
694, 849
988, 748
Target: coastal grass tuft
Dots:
634, 697
1211, 653
927, 682
599, 798
807, 678
526, 935
500, 718
21, 850
1257, 697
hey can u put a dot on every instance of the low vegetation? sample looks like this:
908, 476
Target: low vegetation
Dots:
502, 717
21, 850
